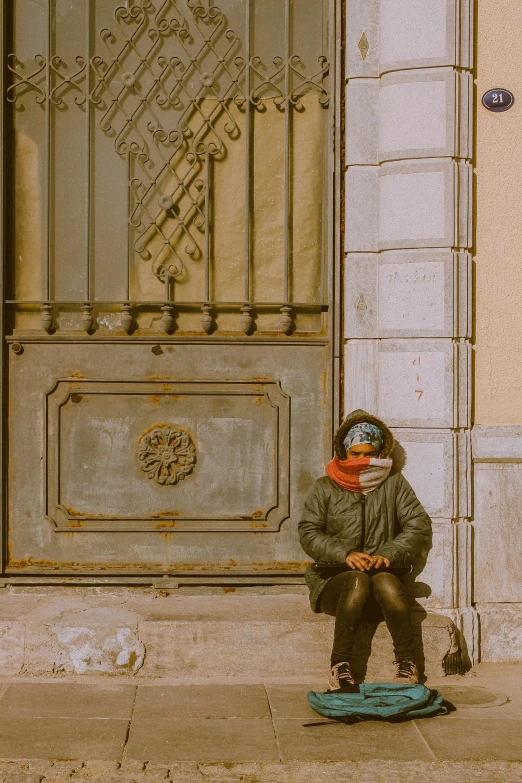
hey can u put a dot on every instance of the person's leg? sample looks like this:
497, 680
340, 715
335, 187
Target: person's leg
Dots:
344, 597
389, 593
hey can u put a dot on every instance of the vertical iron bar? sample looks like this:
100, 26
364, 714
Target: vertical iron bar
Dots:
167, 285
207, 225
286, 320
46, 317
3, 282
167, 320
207, 322
88, 133
86, 308
129, 232
246, 310
287, 152
126, 310
48, 157
247, 153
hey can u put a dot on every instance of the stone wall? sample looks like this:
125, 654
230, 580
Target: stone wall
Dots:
407, 271
497, 457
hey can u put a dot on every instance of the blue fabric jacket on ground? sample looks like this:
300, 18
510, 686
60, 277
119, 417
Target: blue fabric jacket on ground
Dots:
380, 700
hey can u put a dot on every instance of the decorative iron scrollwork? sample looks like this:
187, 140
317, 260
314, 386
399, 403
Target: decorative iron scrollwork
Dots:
166, 454
169, 85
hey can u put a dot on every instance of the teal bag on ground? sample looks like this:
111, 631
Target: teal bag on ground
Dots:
379, 700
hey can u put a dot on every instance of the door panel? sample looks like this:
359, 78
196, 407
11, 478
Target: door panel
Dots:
90, 458
170, 281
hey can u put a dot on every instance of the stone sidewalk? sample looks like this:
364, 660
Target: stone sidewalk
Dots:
94, 730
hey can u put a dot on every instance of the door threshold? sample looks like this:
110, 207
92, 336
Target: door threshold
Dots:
165, 583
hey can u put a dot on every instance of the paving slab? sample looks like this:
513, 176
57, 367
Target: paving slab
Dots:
203, 739
213, 732
62, 738
335, 741
471, 696
507, 702
61, 700
201, 701
472, 738
290, 701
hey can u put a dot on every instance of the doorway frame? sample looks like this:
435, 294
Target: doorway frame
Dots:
333, 269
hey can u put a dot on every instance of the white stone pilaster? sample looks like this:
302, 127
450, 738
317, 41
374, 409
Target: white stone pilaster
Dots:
407, 275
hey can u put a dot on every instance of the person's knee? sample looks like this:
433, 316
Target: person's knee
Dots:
357, 583
386, 587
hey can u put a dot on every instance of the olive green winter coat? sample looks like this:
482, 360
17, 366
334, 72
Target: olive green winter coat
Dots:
388, 521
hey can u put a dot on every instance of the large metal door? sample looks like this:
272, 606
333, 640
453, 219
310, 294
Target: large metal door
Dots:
169, 236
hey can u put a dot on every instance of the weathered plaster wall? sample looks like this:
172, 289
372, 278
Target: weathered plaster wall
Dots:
498, 352
497, 434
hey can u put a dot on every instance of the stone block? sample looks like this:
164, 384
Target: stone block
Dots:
203, 739
408, 293
424, 204
68, 700
500, 632
202, 636
274, 646
98, 648
409, 383
478, 739
362, 16
435, 636
432, 586
497, 504
361, 295
284, 638
436, 463
362, 205
374, 740
427, 467
12, 643
56, 738
201, 700
420, 34
362, 104
425, 114
496, 442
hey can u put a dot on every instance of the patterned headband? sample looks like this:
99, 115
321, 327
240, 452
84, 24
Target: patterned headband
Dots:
364, 433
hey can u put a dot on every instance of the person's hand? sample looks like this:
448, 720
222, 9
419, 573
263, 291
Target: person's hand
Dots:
377, 561
359, 561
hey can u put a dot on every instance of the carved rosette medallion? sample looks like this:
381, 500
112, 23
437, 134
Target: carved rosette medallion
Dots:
166, 454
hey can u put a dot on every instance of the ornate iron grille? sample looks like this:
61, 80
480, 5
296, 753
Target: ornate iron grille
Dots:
173, 86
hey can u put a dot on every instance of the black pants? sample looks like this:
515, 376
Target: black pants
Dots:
350, 595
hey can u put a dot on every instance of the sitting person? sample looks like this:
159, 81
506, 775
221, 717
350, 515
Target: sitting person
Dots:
362, 515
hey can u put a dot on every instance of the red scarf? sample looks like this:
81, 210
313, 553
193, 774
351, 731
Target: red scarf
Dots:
359, 475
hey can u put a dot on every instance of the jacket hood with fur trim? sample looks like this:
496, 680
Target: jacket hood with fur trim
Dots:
357, 417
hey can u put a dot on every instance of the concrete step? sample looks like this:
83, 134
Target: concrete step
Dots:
234, 634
